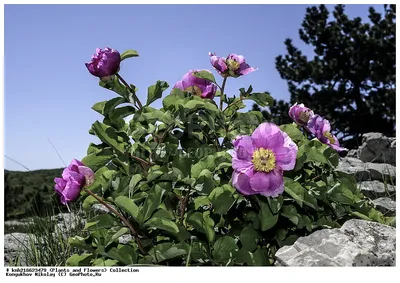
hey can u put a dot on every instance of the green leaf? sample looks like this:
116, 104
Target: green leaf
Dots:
201, 201
124, 254
107, 262
299, 193
109, 136
115, 85
224, 249
222, 199
151, 203
263, 99
183, 162
163, 224
199, 252
103, 221
341, 193
315, 152
80, 243
128, 54
290, 212
332, 156
211, 162
101, 178
118, 234
133, 184
234, 106
99, 159
275, 204
204, 183
205, 75
293, 132
127, 205
252, 259
88, 202
79, 260
267, 218
161, 253
173, 100
288, 241
111, 104
99, 107
122, 112
203, 223
248, 238
196, 103
155, 91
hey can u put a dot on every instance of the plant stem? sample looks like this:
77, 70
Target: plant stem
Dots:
221, 102
183, 205
140, 106
148, 163
127, 223
233, 103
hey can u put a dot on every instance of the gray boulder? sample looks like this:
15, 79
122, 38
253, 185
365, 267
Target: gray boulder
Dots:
376, 189
68, 221
14, 246
385, 205
378, 148
125, 239
356, 243
367, 171
381, 171
352, 153
99, 208
355, 167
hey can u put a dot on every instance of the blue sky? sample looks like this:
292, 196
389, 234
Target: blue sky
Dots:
49, 92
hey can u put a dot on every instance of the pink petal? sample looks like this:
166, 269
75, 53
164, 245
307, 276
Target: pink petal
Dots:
244, 147
241, 182
268, 184
88, 173
286, 155
260, 182
268, 136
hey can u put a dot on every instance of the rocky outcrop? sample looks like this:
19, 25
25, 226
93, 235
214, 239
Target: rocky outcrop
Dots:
356, 243
376, 189
14, 246
373, 166
377, 148
367, 171
385, 205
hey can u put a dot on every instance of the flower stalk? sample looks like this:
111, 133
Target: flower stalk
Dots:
123, 219
139, 104
221, 101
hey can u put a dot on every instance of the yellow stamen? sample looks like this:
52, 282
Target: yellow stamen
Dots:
195, 90
304, 116
264, 160
329, 136
233, 65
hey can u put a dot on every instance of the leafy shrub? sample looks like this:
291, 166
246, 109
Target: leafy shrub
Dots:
166, 177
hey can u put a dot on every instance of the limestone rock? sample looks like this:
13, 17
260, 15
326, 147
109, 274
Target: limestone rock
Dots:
378, 148
356, 243
355, 167
382, 171
68, 221
14, 245
99, 208
124, 239
367, 171
352, 153
385, 205
376, 189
